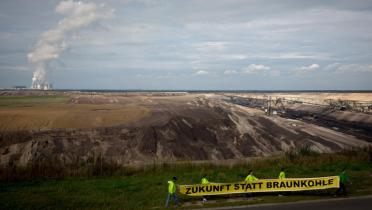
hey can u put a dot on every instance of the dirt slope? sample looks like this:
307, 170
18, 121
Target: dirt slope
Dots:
177, 127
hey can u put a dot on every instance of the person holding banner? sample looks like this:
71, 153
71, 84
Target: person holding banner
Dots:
343, 180
204, 180
281, 174
172, 192
250, 177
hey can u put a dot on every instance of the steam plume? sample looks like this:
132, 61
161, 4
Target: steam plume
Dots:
54, 41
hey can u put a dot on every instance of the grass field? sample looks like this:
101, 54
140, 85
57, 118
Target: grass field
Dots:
54, 112
145, 187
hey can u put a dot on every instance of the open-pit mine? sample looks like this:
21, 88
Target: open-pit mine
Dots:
131, 128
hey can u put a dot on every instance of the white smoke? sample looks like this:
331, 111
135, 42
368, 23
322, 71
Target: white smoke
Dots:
54, 41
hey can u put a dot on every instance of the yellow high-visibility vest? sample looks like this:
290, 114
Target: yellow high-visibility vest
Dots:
171, 187
204, 181
250, 177
281, 175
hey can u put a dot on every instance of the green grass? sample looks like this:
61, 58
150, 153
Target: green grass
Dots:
145, 188
20, 101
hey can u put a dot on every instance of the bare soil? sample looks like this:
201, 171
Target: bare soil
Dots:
142, 128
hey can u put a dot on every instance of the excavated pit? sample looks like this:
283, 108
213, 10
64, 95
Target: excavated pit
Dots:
179, 127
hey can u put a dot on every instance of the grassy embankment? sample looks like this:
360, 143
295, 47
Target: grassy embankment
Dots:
145, 187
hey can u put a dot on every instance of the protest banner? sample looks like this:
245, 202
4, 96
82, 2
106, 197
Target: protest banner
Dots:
262, 185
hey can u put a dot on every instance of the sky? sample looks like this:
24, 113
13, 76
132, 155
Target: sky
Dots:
204, 44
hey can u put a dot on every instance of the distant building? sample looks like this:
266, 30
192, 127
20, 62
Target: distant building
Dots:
19, 87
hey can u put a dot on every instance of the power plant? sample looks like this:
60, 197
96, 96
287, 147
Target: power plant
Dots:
42, 86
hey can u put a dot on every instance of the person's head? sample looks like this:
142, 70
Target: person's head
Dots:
250, 172
282, 169
174, 178
204, 175
343, 170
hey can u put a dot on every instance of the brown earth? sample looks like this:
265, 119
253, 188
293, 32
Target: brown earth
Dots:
69, 116
314, 96
145, 128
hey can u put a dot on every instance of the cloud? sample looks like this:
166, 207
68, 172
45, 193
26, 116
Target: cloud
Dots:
347, 68
274, 73
212, 51
231, 57
211, 46
332, 67
294, 55
201, 72
307, 69
230, 72
255, 69
154, 37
